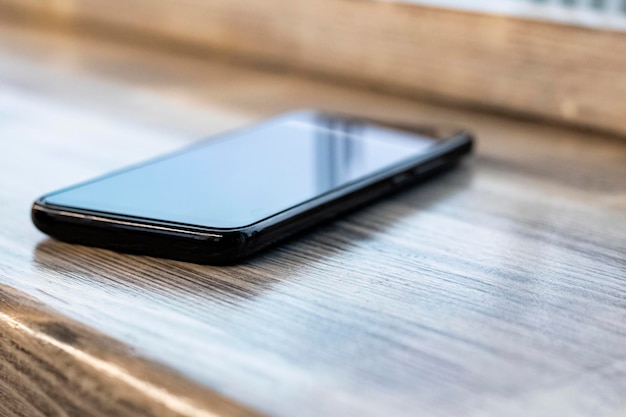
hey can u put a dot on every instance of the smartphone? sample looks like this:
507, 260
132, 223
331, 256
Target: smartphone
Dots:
225, 198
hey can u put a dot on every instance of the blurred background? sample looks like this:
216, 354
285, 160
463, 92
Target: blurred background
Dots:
556, 60
607, 14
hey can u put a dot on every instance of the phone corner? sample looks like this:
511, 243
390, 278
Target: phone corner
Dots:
38, 213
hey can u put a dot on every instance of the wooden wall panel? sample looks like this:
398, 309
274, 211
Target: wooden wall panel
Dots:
545, 70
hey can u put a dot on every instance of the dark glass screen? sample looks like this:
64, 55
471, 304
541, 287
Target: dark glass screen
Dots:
249, 175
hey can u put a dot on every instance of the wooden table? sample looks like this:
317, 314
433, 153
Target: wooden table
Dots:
497, 290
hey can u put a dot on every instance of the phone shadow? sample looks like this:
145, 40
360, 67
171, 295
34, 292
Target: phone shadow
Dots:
329, 244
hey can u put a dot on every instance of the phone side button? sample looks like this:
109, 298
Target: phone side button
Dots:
401, 178
429, 166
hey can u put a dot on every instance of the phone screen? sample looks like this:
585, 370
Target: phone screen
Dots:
246, 176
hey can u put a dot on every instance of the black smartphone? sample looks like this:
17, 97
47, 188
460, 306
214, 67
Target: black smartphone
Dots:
225, 198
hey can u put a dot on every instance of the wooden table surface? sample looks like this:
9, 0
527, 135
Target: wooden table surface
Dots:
498, 289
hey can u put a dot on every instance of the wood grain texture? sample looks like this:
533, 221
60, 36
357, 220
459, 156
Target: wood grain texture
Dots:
565, 73
52, 366
497, 290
